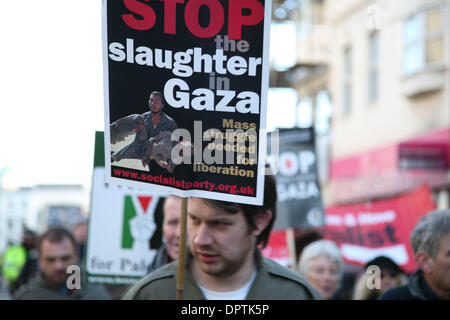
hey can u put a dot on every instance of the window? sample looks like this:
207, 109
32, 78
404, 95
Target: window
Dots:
347, 81
423, 41
373, 66
434, 40
311, 14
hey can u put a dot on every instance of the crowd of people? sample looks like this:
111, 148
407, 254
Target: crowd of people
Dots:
37, 269
224, 261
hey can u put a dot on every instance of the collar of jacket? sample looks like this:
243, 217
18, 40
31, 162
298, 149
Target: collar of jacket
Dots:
148, 118
41, 282
265, 268
419, 287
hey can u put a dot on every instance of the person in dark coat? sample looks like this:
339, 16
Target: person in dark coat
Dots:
79, 226
31, 265
430, 240
58, 279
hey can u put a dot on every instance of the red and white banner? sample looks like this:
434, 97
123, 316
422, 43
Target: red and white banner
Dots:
364, 231
277, 249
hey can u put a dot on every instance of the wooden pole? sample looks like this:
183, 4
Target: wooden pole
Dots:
182, 252
290, 240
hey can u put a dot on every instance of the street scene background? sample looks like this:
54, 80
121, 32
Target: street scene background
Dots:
370, 77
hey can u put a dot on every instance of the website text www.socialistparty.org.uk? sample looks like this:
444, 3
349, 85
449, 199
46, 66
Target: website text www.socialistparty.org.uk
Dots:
186, 185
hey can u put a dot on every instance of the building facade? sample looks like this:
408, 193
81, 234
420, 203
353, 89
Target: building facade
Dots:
386, 67
39, 207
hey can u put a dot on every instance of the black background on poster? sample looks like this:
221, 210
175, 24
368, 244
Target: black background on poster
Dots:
293, 213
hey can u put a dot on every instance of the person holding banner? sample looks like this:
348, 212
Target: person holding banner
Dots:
430, 240
224, 261
149, 127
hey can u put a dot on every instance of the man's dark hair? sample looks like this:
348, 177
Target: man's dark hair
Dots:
56, 235
163, 102
270, 201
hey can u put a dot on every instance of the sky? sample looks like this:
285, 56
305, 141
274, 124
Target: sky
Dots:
51, 90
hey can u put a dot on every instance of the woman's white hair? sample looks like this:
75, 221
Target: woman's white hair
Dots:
317, 249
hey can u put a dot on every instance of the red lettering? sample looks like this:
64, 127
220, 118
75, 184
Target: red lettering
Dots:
236, 20
149, 16
216, 13
170, 15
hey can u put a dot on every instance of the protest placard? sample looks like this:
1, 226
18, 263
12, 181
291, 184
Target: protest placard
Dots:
299, 199
124, 228
185, 96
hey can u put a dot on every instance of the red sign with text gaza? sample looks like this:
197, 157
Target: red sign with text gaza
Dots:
364, 231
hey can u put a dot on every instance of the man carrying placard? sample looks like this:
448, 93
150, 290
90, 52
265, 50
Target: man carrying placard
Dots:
224, 261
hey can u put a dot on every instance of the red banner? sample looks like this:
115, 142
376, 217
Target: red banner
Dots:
364, 231
276, 248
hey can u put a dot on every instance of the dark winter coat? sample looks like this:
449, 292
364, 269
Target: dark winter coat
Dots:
416, 289
39, 289
273, 282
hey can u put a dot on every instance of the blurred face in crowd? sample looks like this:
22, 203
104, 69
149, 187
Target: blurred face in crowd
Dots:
55, 258
437, 270
323, 274
80, 232
171, 225
222, 243
389, 279
29, 241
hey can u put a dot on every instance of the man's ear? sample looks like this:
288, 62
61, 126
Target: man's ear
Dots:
424, 261
261, 220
